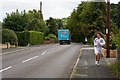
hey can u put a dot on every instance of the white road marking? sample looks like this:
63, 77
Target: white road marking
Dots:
91, 48
86, 63
5, 69
73, 71
107, 61
44, 52
76, 63
30, 59
83, 75
86, 67
14, 51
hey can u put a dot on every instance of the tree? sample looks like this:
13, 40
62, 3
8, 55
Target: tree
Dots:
54, 25
115, 14
33, 20
87, 19
51, 25
14, 21
118, 15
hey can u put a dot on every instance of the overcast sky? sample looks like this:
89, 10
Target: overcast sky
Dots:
51, 8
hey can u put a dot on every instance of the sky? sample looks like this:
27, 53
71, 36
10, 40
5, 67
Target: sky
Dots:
50, 8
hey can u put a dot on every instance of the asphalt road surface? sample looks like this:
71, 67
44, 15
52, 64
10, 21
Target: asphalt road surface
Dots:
42, 61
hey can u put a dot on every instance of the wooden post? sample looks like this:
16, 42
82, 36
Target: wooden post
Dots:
108, 29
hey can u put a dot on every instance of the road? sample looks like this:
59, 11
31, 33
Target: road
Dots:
42, 61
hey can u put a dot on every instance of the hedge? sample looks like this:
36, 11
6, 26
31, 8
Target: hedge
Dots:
30, 37
23, 38
36, 37
9, 36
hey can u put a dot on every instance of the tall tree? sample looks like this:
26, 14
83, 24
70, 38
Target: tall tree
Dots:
14, 21
33, 20
51, 25
88, 18
54, 25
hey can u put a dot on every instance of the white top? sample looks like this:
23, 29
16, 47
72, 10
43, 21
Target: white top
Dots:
98, 43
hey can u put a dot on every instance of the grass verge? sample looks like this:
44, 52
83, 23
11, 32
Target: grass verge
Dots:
116, 69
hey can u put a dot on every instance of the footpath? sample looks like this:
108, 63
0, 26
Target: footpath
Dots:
86, 69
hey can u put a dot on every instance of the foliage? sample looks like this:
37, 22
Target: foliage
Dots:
23, 38
14, 21
46, 30
87, 19
51, 37
54, 24
30, 37
116, 68
9, 36
113, 44
115, 14
117, 39
33, 20
36, 37
90, 40
113, 41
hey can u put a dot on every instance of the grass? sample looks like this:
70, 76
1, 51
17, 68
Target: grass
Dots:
116, 69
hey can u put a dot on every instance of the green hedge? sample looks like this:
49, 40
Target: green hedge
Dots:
9, 36
30, 37
23, 38
36, 37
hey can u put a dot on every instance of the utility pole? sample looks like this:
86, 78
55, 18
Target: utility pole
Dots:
108, 29
40, 6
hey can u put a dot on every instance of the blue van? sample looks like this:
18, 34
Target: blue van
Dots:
64, 36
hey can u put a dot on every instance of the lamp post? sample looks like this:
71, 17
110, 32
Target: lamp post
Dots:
108, 29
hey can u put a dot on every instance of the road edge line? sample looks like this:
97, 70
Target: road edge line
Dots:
78, 58
14, 51
107, 61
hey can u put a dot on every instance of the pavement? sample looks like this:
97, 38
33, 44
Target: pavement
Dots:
86, 68
47, 61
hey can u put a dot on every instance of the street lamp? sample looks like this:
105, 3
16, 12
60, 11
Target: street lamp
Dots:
108, 28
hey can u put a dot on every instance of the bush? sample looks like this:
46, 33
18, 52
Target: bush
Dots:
113, 44
115, 41
118, 39
36, 37
51, 37
9, 36
23, 38
91, 40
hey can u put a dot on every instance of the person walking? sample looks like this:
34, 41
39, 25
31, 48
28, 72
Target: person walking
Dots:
99, 42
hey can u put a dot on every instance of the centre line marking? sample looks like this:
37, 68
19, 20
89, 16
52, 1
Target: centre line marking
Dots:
86, 63
44, 52
83, 75
30, 59
5, 69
